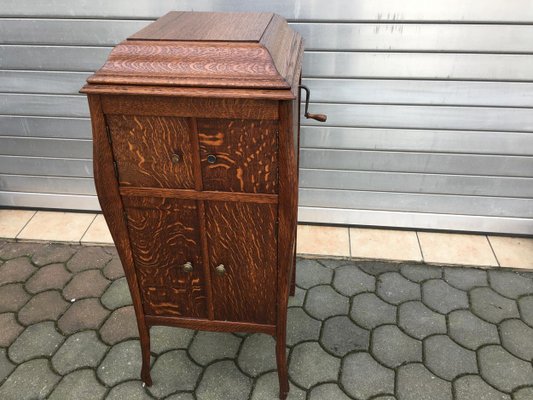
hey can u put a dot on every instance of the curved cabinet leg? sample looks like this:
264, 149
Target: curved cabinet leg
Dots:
144, 333
281, 358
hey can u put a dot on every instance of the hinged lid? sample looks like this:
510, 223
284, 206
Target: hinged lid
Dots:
206, 50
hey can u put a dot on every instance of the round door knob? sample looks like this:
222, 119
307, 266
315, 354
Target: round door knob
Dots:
187, 267
220, 269
175, 158
211, 159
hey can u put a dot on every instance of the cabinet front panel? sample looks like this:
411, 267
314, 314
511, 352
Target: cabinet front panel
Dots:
242, 239
152, 151
164, 237
239, 155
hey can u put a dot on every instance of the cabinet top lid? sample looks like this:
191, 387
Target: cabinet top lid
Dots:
207, 50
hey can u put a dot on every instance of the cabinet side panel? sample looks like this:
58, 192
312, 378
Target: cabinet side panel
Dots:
152, 151
242, 237
165, 235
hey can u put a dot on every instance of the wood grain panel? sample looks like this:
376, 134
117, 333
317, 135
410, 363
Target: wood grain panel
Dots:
206, 26
245, 151
242, 237
164, 235
144, 147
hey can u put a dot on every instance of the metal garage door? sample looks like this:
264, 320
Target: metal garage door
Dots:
430, 106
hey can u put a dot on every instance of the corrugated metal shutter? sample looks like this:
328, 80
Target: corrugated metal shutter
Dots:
430, 106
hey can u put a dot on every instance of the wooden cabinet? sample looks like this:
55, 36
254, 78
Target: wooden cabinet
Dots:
195, 129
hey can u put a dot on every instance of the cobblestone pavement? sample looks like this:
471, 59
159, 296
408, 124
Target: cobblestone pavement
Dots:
357, 330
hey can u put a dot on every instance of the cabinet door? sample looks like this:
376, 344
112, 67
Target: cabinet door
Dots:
239, 155
152, 151
242, 238
164, 237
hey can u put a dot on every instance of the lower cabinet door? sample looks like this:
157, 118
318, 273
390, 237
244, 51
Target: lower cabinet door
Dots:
242, 260
165, 239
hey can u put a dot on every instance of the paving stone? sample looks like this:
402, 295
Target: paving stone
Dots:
419, 321
117, 295
10, 329
447, 359
39, 340
420, 272
395, 289
310, 365
503, 370
257, 354
173, 371
119, 326
221, 381
180, 396
164, 338
13, 297
322, 302
392, 347
350, 280
517, 338
298, 299
89, 283
113, 269
301, 326
53, 253
340, 336
30, 381
490, 306
525, 304
369, 311
267, 388
18, 249
523, 394
53, 276
82, 349
465, 278
44, 306
470, 331
90, 257
83, 314
415, 382
79, 385
16, 270
378, 267
131, 390
362, 377
510, 284
329, 391
121, 363
443, 298
335, 263
472, 387
6, 366
311, 273
207, 347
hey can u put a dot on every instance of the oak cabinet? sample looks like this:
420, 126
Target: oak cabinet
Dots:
195, 128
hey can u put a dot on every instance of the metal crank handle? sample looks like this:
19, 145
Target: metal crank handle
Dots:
307, 114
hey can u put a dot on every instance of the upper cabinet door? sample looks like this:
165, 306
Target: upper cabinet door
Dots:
152, 151
239, 155
242, 259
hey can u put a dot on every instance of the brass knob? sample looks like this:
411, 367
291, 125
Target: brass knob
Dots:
175, 158
220, 269
187, 267
211, 159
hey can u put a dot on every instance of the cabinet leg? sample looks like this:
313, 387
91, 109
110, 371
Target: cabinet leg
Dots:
281, 357
144, 334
